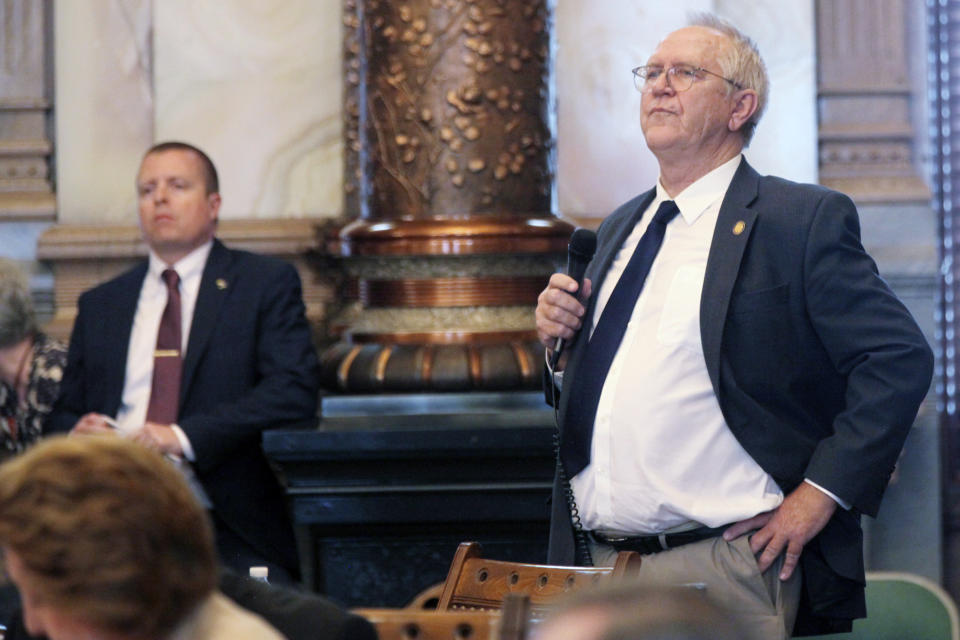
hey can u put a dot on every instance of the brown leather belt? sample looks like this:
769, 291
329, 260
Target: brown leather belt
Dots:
657, 543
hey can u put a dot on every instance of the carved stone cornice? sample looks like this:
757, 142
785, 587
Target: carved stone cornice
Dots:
289, 236
26, 190
83, 256
20, 206
865, 97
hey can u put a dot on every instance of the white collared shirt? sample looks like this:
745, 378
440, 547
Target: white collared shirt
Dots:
143, 336
662, 454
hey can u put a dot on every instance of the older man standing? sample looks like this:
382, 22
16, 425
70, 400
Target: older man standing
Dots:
736, 365
194, 353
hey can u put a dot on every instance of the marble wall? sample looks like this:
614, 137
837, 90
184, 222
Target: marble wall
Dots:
257, 84
104, 106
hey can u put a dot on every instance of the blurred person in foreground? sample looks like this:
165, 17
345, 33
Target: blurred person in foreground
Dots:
104, 539
31, 365
626, 611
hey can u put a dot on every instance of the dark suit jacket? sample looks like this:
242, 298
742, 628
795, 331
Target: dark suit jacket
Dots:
297, 615
818, 368
250, 364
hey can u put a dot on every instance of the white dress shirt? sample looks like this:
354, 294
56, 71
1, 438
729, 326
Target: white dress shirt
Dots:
662, 455
143, 336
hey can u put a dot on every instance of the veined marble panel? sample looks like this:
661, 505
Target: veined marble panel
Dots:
786, 140
603, 159
104, 106
257, 86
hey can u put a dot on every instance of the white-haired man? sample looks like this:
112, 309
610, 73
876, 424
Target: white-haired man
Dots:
736, 365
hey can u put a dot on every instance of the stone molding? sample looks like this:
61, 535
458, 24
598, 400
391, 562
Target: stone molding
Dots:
26, 188
82, 256
865, 98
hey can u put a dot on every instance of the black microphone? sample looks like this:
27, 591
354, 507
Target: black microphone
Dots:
583, 244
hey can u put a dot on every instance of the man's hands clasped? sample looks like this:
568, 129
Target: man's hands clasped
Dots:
158, 437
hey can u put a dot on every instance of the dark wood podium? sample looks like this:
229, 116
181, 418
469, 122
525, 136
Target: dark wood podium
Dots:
387, 486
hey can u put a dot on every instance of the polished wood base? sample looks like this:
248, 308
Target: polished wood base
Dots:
447, 303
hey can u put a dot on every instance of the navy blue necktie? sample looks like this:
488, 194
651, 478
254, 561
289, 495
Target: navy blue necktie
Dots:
603, 344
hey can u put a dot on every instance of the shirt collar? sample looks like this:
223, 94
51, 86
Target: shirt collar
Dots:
704, 192
188, 266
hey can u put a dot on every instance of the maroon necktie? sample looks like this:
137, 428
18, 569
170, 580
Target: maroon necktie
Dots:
167, 361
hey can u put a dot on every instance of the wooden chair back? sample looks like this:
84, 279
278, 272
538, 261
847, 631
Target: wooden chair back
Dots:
474, 582
419, 624
510, 623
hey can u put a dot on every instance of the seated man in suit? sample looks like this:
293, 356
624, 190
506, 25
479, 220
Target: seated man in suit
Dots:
104, 539
247, 360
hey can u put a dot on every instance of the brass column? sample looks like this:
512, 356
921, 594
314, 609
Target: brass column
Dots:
450, 161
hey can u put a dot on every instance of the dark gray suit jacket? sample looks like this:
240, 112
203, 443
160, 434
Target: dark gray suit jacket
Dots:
818, 368
250, 364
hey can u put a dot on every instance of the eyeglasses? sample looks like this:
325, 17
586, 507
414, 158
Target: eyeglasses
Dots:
680, 76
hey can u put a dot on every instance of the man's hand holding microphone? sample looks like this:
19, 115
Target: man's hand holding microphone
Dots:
560, 307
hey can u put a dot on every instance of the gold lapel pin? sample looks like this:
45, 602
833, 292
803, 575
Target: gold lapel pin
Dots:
739, 227
221, 284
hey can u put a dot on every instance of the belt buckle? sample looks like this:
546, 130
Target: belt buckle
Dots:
604, 538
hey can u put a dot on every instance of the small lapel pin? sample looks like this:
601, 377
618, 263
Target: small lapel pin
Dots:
221, 284
739, 227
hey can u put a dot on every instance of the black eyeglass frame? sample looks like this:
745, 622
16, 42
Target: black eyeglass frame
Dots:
673, 71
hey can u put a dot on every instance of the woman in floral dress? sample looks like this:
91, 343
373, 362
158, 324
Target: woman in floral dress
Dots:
31, 365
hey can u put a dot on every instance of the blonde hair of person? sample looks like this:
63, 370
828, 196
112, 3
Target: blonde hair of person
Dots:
108, 533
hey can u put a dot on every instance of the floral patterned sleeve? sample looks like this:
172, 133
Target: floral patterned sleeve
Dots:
46, 372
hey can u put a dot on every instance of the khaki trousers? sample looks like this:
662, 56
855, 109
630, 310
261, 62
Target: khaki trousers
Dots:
762, 605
